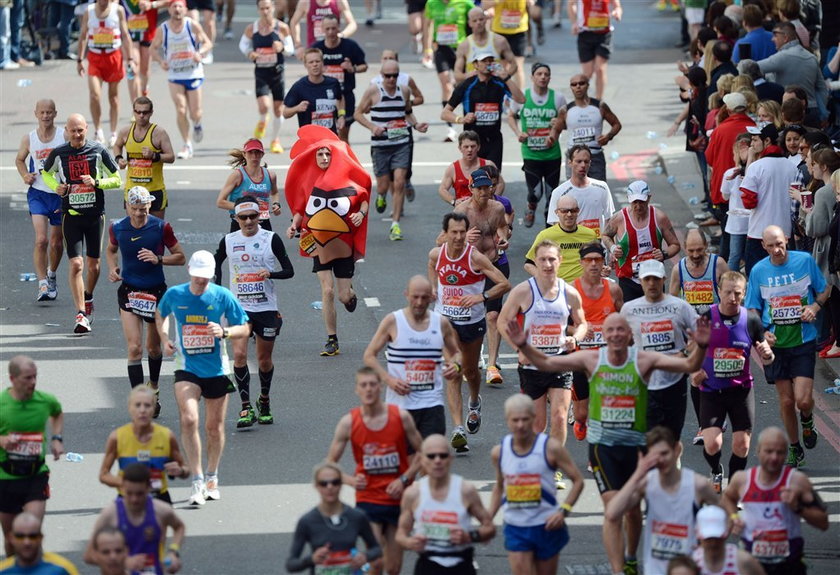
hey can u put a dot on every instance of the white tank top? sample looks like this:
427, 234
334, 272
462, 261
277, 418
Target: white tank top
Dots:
546, 320
38, 153
529, 490
772, 531
435, 519
585, 124
489, 44
669, 529
179, 49
416, 357
104, 35
730, 562
246, 257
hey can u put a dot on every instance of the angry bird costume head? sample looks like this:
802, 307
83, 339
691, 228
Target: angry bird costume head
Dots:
327, 196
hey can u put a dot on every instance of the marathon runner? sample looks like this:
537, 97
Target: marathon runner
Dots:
696, 278
253, 179
569, 237
456, 177
480, 39
110, 551
591, 24
142, 27
715, 555
593, 196
316, 98
25, 552
312, 12
510, 21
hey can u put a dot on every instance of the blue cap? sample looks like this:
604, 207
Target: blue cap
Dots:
480, 178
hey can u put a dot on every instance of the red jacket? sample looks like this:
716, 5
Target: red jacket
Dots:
719, 151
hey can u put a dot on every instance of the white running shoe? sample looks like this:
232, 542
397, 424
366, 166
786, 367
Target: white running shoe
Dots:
99, 136
197, 493
186, 152
211, 489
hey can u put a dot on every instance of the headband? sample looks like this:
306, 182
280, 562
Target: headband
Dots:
245, 206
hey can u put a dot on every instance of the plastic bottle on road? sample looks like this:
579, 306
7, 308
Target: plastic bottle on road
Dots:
694, 200
24, 83
73, 457
28, 277
316, 305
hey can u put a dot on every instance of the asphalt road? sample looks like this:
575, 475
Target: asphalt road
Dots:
265, 473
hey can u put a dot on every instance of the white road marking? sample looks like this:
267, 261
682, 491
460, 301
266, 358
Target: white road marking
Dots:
372, 301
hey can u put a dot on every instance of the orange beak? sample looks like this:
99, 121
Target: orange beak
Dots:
326, 225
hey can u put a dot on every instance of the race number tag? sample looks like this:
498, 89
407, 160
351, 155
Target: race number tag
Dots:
583, 135
336, 563
510, 19
447, 34
452, 308
486, 113
728, 362
523, 490
103, 38
593, 224
266, 57
250, 288
138, 22
334, 71
81, 196
420, 374
140, 170
397, 129
323, 113
548, 338
317, 31
28, 447
699, 293
148, 565
197, 339
307, 242
598, 20
596, 339
658, 335
438, 525
380, 459
182, 59
786, 309
668, 540
636, 261
771, 546
538, 138
618, 411
265, 212
142, 303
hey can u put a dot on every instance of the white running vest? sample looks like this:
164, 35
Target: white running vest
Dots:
179, 49
435, 520
38, 153
585, 124
416, 357
246, 257
529, 494
104, 35
546, 320
669, 528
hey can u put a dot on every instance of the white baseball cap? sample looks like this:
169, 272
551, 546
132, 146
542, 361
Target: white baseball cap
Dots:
651, 268
638, 190
711, 522
202, 265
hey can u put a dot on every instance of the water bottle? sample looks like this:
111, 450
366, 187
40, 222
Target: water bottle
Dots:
658, 170
694, 200
24, 83
316, 305
73, 457
671, 180
651, 135
130, 74
614, 155
28, 277
688, 186
833, 390
167, 562
663, 146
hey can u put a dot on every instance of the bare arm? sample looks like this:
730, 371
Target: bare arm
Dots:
233, 180
294, 26
486, 529
20, 161
339, 442
105, 475
404, 538
108, 517
385, 333
499, 485
674, 286
351, 26
578, 361
668, 234
446, 184
164, 144
461, 61
633, 490
431, 272
364, 107
416, 95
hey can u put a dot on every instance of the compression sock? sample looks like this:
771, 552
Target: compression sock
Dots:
243, 383
135, 372
713, 461
154, 368
275, 127
736, 464
265, 381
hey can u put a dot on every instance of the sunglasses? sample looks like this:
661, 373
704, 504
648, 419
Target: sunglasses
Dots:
573, 84
248, 217
30, 536
599, 260
328, 482
142, 112
442, 455
390, 75
568, 210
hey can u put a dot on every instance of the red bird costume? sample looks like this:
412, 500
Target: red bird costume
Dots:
327, 198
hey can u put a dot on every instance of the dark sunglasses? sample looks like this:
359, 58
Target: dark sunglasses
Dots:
391, 75
442, 455
573, 84
30, 536
327, 482
143, 112
249, 217
568, 210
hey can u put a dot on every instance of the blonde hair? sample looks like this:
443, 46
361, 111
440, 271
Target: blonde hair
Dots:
322, 466
742, 82
835, 181
773, 108
751, 98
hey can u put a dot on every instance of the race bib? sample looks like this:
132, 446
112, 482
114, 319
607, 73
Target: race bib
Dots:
103, 38
636, 261
728, 362
140, 170
538, 138
596, 339
420, 374
380, 459
548, 338
593, 224
138, 22
510, 19
583, 135
265, 213
438, 525
397, 129
250, 288
523, 490
148, 565
618, 411
334, 71
447, 34
181, 59
668, 540
81, 196
307, 242
771, 546
786, 309
452, 308
486, 113
317, 32
658, 335
197, 339
142, 303
699, 293
336, 563
29, 447
266, 57
597, 20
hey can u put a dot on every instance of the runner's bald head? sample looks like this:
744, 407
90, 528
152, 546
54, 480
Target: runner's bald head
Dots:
390, 67
771, 233
567, 202
616, 318
45, 104
419, 282
435, 442
18, 363
76, 120
772, 433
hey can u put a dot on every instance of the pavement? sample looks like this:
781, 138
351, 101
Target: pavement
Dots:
266, 471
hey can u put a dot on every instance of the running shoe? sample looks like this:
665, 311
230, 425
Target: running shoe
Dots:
247, 417
89, 309
369, 22
228, 35
44, 291
211, 488
276, 146
381, 203
474, 417
494, 376
52, 285
259, 130
350, 306
82, 324
580, 430
717, 481
198, 133
330, 348
698, 439
157, 399
197, 493
558, 480
809, 433
186, 152
631, 567
661, 5
396, 232
264, 411
528, 220
409, 191
556, 21
458, 441
540, 35
796, 457
451, 135
100, 136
